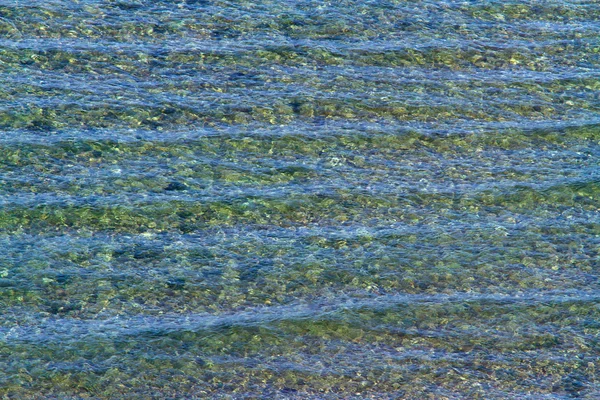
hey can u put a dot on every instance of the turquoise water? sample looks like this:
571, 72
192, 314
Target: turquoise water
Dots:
290, 200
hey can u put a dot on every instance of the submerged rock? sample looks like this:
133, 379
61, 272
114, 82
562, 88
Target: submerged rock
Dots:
175, 185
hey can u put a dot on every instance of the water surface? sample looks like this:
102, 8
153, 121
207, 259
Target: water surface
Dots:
333, 200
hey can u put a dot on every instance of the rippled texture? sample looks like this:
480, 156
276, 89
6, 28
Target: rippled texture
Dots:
333, 200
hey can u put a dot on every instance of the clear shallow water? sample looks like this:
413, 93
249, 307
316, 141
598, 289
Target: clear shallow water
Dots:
299, 199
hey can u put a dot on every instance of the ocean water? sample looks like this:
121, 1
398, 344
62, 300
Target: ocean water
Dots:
299, 199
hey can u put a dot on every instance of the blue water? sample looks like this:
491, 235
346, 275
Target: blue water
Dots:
330, 200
